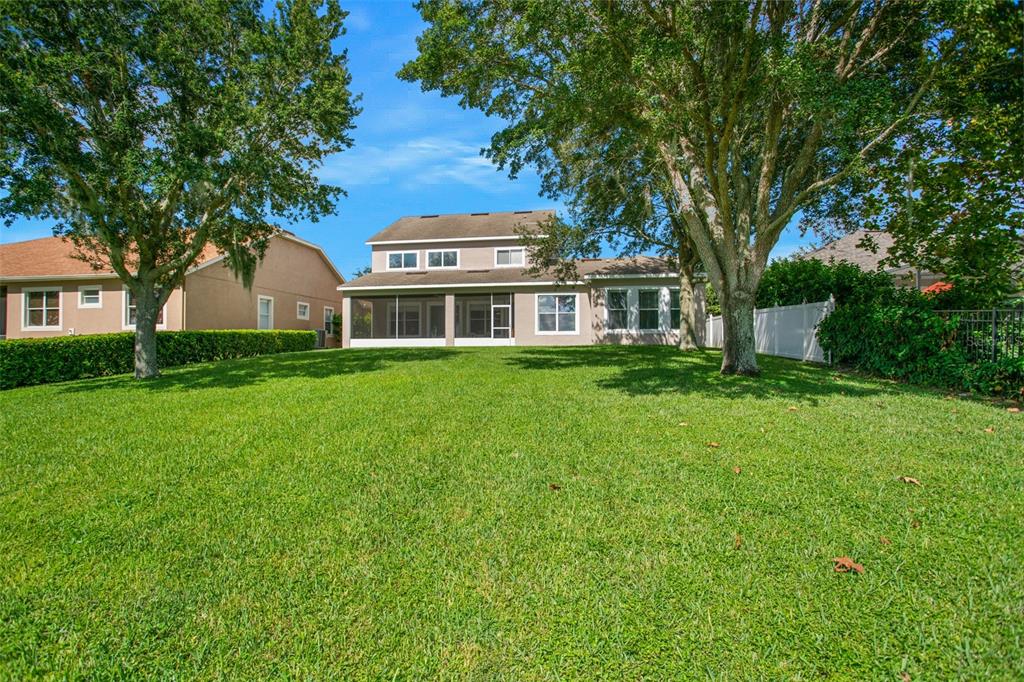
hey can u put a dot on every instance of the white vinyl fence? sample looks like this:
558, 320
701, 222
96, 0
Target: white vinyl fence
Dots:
787, 331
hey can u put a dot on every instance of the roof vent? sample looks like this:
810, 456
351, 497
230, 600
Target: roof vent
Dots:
429, 216
418, 272
521, 212
485, 270
484, 213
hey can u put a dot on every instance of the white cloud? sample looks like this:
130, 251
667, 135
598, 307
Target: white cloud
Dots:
414, 164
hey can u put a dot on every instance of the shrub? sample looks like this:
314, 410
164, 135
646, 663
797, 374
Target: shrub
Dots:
25, 362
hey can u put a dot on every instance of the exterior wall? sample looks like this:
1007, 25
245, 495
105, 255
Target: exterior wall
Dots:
290, 272
105, 319
473, 255
666, 335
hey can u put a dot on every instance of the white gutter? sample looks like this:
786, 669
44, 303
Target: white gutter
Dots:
447, 240
389, 287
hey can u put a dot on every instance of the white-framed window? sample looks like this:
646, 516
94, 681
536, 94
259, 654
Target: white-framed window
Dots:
509, 257
673, 297
447, 258
403, 260
41, 308
129, 310
617, 309
650, 309
264, 312
302, 310
90, 296
405, 321
557, 313
329, 319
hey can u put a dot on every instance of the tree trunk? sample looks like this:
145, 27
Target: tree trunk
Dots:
147, 307
687, 309
738, 344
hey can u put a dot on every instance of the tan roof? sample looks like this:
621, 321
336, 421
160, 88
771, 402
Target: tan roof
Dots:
640, 266
54, 257
459, 226
846, 249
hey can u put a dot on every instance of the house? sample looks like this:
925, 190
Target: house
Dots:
46, 291
848, 249
461, 280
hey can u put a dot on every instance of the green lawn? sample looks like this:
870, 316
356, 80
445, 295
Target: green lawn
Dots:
507, 513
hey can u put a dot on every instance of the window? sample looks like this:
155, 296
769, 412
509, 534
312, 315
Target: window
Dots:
617, 302
556, 313
264, 312
404, 322
302, 310
649, 317
89, 296
42, 309
508, 257
673, 295
329, 319
130, 311
443, 259
403, 260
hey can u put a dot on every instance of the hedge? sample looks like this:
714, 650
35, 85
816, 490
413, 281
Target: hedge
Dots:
24, 362
906, 340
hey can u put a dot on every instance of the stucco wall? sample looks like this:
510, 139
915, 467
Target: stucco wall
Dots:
104, 319
472, 255
666, 335
290, 272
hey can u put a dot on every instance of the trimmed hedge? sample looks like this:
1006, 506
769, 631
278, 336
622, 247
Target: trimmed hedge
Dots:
24, 362
905, 340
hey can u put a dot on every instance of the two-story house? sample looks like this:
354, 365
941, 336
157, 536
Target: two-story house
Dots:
461, 280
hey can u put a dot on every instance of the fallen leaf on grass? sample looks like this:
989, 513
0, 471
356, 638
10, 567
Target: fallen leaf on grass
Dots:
1013, 410
713, 444
915, 524
905, 676
791, 408
736, 470
554, 486
885, 541
990, 430
844, 564
908, 479
684, 423
737, 542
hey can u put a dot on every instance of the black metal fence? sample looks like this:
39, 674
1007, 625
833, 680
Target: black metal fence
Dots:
989, 334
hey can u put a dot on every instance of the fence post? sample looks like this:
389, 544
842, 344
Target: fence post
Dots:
994, 337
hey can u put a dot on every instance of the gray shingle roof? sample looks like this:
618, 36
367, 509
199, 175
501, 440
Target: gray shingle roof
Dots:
846, 249
587, 268
460, 226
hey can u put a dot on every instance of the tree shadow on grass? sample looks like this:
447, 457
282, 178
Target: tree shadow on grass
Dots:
655, 370
248, 371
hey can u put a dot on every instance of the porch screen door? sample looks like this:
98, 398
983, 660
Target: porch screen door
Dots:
501, 316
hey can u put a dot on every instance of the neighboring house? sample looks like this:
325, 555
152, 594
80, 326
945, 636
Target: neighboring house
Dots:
47, 291
460, 280
847, 249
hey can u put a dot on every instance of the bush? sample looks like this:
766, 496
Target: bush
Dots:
25, 362
902, 338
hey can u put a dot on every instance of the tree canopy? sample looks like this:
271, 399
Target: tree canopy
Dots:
147, 131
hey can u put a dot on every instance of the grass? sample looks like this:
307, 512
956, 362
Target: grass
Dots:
390, 513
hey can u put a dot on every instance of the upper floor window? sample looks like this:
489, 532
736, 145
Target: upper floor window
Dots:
448, 258
42, 309
509, 257
403, 260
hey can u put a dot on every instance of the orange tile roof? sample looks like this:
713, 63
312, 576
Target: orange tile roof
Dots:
54, 257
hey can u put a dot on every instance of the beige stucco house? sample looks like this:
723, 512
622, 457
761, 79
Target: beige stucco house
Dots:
46, 291
461, 280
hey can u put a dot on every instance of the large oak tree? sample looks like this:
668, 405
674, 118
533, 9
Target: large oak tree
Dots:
150, 130
752, 109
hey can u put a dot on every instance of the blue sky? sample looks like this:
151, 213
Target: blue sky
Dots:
415, 153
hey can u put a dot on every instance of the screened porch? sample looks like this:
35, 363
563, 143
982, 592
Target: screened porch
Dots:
420, 320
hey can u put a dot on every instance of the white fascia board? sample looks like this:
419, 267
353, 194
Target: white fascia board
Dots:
446, 240
50, 278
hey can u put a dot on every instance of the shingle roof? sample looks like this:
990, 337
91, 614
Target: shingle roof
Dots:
846, 249
587, 268
54, 257
459, 226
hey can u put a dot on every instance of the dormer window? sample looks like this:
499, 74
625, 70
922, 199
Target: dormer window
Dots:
509, 257
403, 260
448, 258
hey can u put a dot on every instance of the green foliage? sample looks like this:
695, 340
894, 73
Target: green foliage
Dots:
903, 338
25, 362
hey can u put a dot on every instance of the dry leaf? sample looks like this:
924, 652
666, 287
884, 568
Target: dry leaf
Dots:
736, 470
554, 486
908, 479
791, 408
713, 444
684, 423
915, 524
844, 564
990, 430
737, 542
885, 541
1013, 410
905, 676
